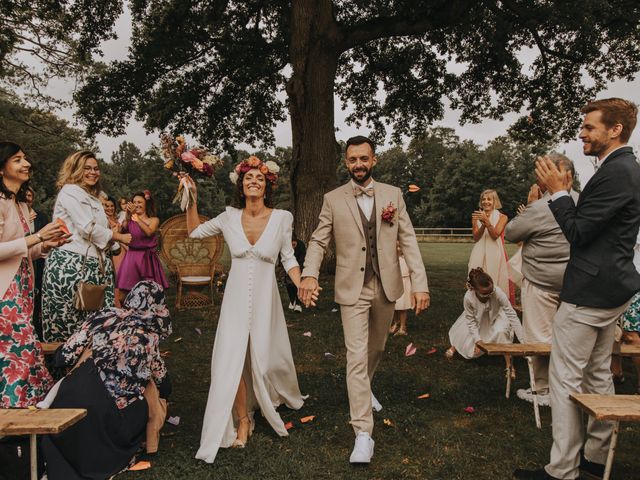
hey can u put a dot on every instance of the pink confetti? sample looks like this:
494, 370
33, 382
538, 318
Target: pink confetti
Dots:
470, 410
411, 350
198, 331
432, 351
174, 420
307, 334
288, 425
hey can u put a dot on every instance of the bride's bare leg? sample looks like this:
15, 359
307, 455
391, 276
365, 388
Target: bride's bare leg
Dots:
240, 406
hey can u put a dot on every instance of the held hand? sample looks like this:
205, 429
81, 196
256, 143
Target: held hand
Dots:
187, 182
314, 297
32, 215
420, 301
308, 287
548, 174
521, 208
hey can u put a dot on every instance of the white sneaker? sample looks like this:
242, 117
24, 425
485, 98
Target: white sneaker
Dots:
291, 306
375, 404
543, 398
297, 308
362, 449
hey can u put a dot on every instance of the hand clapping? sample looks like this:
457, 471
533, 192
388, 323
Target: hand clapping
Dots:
554, 178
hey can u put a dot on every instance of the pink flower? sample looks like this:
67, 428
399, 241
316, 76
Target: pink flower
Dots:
188, 157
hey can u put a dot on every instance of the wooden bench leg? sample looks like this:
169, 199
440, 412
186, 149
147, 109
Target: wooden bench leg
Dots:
34, 456
534, 392
612, 451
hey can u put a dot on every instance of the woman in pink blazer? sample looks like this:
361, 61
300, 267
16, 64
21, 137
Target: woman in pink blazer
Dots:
24, 380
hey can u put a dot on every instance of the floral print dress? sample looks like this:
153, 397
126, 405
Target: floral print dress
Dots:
24, 380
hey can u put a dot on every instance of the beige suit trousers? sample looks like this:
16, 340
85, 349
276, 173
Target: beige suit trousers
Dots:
366, 326
538, 309
580, 359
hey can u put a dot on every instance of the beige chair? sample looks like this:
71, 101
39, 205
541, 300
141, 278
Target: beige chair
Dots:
193, 262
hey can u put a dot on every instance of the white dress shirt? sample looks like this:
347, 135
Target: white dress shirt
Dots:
365, 202
84, 215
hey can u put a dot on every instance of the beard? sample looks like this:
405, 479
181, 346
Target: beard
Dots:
367, 175
594, 147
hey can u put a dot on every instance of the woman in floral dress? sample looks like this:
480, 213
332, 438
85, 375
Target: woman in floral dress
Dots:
630, 320
24, 380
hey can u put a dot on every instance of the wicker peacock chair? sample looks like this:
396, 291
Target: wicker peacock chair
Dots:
193, 262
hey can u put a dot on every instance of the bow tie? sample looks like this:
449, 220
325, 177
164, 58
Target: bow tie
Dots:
358, 190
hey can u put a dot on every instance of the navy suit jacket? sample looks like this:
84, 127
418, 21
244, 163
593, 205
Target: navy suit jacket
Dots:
602, 230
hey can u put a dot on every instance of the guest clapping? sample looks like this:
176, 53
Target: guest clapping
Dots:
488, 252
24, 380
141, 261
81, 210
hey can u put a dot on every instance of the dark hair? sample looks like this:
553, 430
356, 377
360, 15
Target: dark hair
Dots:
8, 150
359, 140
112, 200
478, 278
149, 204
614, 111
238, 195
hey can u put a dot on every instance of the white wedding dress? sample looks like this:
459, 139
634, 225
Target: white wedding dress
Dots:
252, 338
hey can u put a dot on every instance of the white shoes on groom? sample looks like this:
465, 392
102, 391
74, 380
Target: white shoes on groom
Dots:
362, 449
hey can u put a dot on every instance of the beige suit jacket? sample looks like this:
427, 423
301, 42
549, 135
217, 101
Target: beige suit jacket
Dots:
340, 219
13, 246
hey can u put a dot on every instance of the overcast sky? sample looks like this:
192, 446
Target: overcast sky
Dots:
479, 133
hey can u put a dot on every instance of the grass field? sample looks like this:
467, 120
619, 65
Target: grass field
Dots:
429, 439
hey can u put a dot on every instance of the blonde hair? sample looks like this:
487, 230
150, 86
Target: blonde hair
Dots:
72, 172
496, 199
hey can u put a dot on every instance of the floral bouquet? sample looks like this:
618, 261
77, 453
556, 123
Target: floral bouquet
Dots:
198, 162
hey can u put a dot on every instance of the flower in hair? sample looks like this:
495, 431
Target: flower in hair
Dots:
269, 169
147, 195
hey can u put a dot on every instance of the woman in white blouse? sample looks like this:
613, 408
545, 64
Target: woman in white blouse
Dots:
79, 206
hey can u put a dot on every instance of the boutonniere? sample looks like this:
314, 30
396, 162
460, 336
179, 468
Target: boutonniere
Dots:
389, 213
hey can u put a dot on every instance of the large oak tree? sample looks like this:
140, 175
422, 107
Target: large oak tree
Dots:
227, 72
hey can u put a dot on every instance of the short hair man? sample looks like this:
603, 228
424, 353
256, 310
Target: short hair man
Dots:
366, 219
599, 282
545, 253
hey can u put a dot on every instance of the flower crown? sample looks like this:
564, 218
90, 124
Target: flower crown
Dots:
269, 169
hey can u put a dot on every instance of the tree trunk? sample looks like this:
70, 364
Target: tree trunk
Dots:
314, 59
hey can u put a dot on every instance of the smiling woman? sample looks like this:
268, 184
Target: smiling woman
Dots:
82, 259
23, 377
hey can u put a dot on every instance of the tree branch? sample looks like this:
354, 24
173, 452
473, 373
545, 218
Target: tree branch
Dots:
383, 27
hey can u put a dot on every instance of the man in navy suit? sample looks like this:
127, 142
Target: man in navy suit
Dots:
598, 284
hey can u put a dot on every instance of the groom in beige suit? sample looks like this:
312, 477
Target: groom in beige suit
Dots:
368, 279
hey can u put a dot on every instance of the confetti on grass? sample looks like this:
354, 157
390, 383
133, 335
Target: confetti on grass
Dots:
310, 418
198, 331
410, 350
140, 466
388, 423
307, 334
431, 351
174, 420
179, 339
425, 395
470, 410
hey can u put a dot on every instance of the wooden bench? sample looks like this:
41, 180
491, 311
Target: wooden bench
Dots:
14, 421
616, 408
529, 350
50, 348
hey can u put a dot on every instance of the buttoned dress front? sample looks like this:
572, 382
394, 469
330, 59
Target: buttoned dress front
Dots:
251, 339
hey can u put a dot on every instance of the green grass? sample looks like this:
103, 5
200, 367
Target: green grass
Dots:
430, 439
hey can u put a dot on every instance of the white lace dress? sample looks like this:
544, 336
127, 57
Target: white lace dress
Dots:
252, 338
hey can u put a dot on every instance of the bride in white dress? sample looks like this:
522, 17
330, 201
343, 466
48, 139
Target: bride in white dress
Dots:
252, 366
